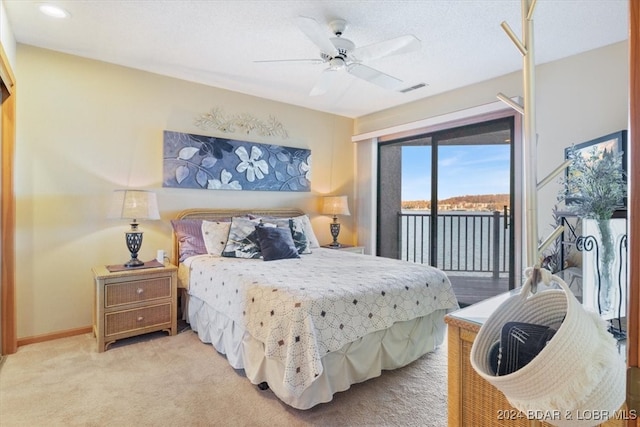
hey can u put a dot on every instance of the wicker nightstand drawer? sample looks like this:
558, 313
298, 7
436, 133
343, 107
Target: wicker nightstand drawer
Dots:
132, 320
116, 294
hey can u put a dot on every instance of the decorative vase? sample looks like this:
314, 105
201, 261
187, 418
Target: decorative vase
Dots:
607, 288
604, 269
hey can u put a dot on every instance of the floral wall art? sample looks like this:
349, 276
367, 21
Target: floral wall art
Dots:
207, 162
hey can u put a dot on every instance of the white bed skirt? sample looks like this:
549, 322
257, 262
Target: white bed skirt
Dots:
355, 362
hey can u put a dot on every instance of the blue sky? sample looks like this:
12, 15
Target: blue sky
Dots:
463, 169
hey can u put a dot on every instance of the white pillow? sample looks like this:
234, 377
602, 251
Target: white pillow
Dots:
215, 235
308, 231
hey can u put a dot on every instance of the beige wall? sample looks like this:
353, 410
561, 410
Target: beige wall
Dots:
577, 99
86, 128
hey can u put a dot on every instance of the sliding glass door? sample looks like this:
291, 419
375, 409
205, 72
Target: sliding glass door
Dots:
445, 199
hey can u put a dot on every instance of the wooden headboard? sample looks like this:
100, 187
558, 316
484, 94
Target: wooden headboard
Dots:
218, 214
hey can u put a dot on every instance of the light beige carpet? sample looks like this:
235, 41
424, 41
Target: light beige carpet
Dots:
162, 381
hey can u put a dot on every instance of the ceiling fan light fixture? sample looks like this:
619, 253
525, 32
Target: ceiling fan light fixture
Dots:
336, 63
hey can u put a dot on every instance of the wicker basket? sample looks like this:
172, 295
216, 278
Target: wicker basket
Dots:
577, 373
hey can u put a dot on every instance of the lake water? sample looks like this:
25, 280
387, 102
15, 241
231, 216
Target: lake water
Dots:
466, 240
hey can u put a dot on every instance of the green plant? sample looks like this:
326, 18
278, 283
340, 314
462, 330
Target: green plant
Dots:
595, 186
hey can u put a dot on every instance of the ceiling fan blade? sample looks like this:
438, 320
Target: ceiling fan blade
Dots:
402, 44
316, 34
305, 61
324, 82
374, 76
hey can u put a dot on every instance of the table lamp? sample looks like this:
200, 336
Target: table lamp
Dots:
335, 205
134, 205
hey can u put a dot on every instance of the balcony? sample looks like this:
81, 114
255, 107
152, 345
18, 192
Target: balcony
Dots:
471, 247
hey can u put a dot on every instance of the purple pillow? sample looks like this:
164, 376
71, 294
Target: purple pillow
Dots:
189, 235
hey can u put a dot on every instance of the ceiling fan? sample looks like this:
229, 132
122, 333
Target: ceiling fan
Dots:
341, 54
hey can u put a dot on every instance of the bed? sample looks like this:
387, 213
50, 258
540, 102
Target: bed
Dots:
312, 324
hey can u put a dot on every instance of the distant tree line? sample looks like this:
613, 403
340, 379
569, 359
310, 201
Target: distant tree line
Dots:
485, 201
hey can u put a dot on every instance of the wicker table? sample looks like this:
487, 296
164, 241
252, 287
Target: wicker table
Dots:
472, 400
133, 302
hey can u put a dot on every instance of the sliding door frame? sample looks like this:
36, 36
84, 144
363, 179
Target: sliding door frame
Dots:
471, 116
434, 238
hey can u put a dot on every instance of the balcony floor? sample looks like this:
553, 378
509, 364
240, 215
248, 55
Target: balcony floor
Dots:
472, 289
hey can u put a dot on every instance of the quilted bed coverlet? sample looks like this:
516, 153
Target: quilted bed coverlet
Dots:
304, 308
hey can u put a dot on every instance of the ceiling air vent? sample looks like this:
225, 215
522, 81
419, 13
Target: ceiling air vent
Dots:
412, 88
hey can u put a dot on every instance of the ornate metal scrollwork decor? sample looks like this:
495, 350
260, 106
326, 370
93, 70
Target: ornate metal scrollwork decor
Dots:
587, 244
245, 122
618, 332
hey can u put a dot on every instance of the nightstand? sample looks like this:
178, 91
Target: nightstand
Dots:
133, 302
347, 248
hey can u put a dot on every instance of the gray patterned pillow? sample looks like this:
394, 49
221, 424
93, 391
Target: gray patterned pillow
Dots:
296, 225
243, 239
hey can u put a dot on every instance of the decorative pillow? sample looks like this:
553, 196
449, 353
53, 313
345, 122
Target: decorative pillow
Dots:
243, 239
299, 235
189, 235
520, 343
296, 225
308, 231
276, 243
215, 236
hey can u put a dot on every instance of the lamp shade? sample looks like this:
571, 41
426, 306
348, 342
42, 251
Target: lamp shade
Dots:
335, 205
134, 204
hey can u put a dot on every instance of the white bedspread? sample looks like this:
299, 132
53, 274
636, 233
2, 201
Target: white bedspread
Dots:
304, 308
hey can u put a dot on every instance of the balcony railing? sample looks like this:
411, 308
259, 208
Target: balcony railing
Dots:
466, 242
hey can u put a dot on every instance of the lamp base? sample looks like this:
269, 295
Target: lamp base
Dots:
134, 242
134, 262
335, 245
335, 231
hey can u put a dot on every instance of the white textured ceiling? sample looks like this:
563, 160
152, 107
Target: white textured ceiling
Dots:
216, 42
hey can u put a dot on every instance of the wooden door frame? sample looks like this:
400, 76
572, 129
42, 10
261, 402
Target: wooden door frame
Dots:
633, 326
7, 206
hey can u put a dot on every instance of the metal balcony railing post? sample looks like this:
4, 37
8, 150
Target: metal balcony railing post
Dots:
496, 245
